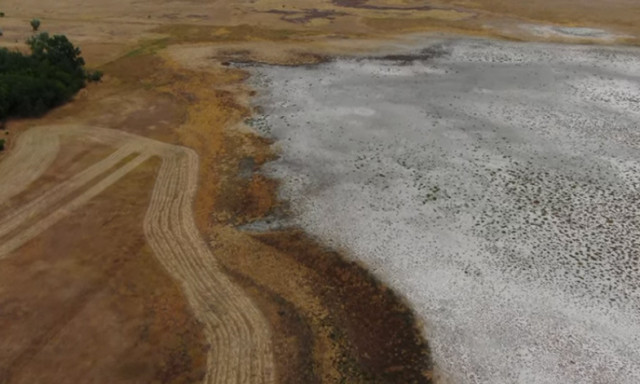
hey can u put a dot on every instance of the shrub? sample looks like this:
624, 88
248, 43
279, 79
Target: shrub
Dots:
94, 76
35, 24
2, 141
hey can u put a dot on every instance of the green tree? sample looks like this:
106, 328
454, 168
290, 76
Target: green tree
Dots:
32, 84
35, 24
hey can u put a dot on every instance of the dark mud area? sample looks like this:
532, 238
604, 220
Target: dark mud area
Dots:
306, 15
376, 330
363, 5
293, 341
422, 55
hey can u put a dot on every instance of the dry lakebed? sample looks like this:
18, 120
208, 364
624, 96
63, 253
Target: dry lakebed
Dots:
494, 185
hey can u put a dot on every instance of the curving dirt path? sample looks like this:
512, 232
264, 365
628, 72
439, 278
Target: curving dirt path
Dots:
239, 336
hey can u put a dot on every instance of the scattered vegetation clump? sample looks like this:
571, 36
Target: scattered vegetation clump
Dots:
35, 24
2, 141
94, 76
49, 76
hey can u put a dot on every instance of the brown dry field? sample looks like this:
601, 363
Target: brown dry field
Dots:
88, 301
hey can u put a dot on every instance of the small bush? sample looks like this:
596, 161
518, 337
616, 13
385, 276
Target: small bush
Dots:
35, 24
2, 141
94, 76
1, 14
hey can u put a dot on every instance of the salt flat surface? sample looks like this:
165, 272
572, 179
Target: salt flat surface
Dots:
496, 187
576, 33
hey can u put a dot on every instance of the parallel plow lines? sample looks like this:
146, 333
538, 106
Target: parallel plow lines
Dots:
35, 229
239, 335
54, 195
241, 348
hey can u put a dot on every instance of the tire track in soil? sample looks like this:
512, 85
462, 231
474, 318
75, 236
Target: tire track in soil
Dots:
56, 194
35, 229
24, 164
231, 320
238, 333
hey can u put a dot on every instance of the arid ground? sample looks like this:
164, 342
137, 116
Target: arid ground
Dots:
145, 236
494, 185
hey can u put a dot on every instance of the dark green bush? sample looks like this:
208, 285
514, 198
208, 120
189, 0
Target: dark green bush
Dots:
35, 24
32, 84
94, 76
2, 141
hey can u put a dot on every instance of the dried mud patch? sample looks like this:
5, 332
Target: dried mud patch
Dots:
294, 338
306, 15
364, 4
376, 328
340, 323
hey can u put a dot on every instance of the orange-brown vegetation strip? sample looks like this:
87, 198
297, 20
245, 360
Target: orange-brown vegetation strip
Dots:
184, 33
77, 307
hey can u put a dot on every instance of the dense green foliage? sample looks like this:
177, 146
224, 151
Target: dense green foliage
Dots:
49, 76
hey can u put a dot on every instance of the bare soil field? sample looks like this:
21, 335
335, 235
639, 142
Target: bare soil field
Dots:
239, 340
132, 233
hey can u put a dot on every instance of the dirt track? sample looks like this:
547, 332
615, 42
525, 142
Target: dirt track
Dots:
238, 334
19, 167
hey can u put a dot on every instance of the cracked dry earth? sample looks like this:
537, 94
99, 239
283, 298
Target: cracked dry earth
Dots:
493, 184
240, 348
